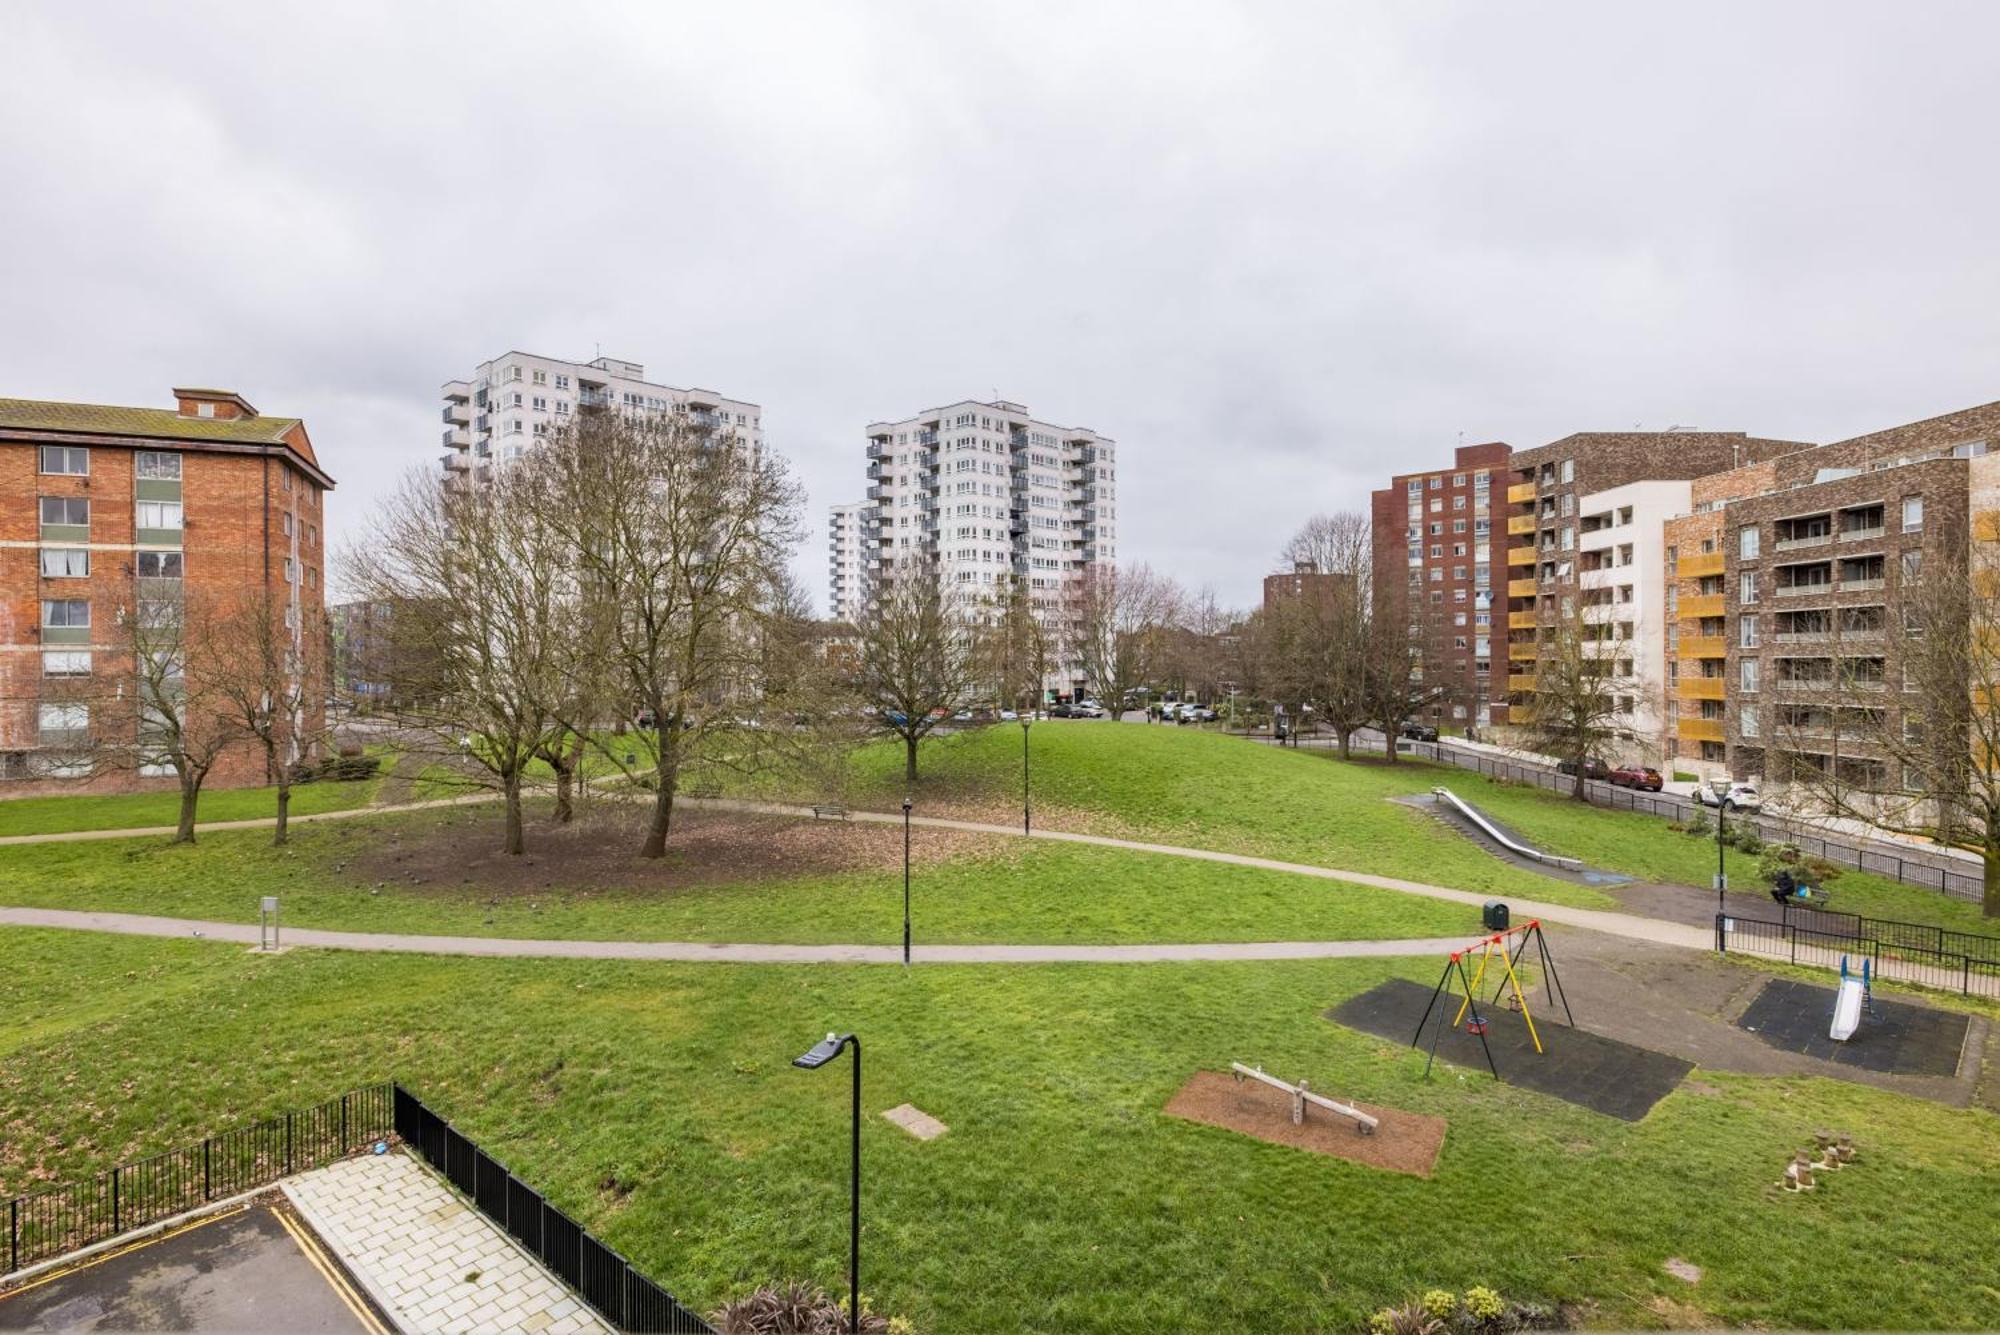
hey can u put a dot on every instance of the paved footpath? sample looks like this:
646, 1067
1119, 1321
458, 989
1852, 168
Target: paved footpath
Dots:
427, 1258
1629, 925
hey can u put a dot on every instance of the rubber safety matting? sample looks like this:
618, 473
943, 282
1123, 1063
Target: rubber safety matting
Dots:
1602, 1074
1899, 1039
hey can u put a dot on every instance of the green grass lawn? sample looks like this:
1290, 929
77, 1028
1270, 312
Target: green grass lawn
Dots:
1004, 890
657, 1103
138, 811
1179, 785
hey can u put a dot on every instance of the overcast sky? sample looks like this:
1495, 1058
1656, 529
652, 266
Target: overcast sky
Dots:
1277, 251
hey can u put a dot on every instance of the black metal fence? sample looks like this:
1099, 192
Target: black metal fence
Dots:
607, 1281
1911, 866
61, 1219
1904, 951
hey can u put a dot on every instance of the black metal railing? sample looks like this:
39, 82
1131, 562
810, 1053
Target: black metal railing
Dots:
61, 1219
1902, 951
1910, 866
605, 1279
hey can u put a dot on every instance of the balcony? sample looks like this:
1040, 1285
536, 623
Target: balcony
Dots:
1521, 556
457, 463
1701, 605
1701, 688
1521, 620
1520, 588
1704, 646
1862, 534
1521, 681
1820, 589
1795, 544
1517, 524
457, 391
457, 413
1526, 649
457, 438
878, 493
1860, 585
593, 398
874, 470
1700, 566
1521, 492
877, 448
1701, 730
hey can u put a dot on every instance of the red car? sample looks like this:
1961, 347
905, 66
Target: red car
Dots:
1636, 776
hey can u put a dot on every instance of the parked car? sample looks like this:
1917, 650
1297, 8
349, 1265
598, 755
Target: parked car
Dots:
1088, 709
1062, 710
1419, 732
1636, 776
1198, 714
1594, 768
1740, 797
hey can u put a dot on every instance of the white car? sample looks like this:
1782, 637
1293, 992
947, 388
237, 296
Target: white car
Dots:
1740, 797
1088, 709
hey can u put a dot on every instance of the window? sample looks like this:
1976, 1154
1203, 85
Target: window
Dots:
562, 382
1913, 566
1750, 723
541, 377
160, 514
65, 562
1569, 470
1746, 542
66, 510
161, 565
1746, 588
1913, 514
1458, 479
66, 663
60, 613
1748, 632
1750, 674
64, 722
69, 459
1437, 484
285, 523
159, 466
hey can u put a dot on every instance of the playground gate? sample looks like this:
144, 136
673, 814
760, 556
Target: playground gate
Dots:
1904, 951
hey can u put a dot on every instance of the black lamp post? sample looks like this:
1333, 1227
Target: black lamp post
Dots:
822, 1053
1025, 721
906, 882
1720, 787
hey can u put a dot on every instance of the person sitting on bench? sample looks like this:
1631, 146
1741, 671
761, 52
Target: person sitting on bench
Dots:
1783, 888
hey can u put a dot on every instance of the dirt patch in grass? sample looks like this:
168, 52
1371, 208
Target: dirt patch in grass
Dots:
1405, 1142
600, 850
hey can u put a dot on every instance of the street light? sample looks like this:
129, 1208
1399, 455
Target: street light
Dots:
906, 882
1720, 787
1025, 721
822, 1053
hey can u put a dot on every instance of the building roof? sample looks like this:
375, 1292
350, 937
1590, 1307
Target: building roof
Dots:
96, 419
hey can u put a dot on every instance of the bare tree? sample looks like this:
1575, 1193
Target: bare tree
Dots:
263, 652
1318, 640
1117, 620
1398, 684
483, 626
1921, 760
1575, 711
919, 661
679, 531
1016, 649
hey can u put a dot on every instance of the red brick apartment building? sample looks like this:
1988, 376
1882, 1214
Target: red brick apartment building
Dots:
1437, 555
210, 493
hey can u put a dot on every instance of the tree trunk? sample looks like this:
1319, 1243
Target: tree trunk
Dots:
190, 794
516, 840
663, 810
909, 759
1389, 744
1989, 903
1345, 737
563, 765
1577, 791
280, 833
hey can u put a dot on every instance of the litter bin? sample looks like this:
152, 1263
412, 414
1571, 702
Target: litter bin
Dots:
1494, 916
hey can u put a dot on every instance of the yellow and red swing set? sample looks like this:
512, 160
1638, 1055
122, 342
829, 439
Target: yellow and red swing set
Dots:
1507, 947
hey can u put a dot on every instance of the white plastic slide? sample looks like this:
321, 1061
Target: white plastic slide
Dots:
1846, 1010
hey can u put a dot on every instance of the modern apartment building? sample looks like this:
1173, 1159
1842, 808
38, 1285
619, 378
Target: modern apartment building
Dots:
1815, 572
994, 496
845, 572
1592, 475
515, 401
208, 497
1693, 694
1305, 581
1436, 557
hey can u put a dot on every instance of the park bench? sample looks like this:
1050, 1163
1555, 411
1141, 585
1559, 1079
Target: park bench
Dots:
829, 811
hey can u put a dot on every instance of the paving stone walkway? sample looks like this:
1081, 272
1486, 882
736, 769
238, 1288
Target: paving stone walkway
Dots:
432, 1262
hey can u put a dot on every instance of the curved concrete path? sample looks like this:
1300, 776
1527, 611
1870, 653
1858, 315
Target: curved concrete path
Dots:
1631, 926
135, 924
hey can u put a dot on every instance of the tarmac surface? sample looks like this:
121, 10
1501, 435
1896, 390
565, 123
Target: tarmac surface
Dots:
244, 1271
